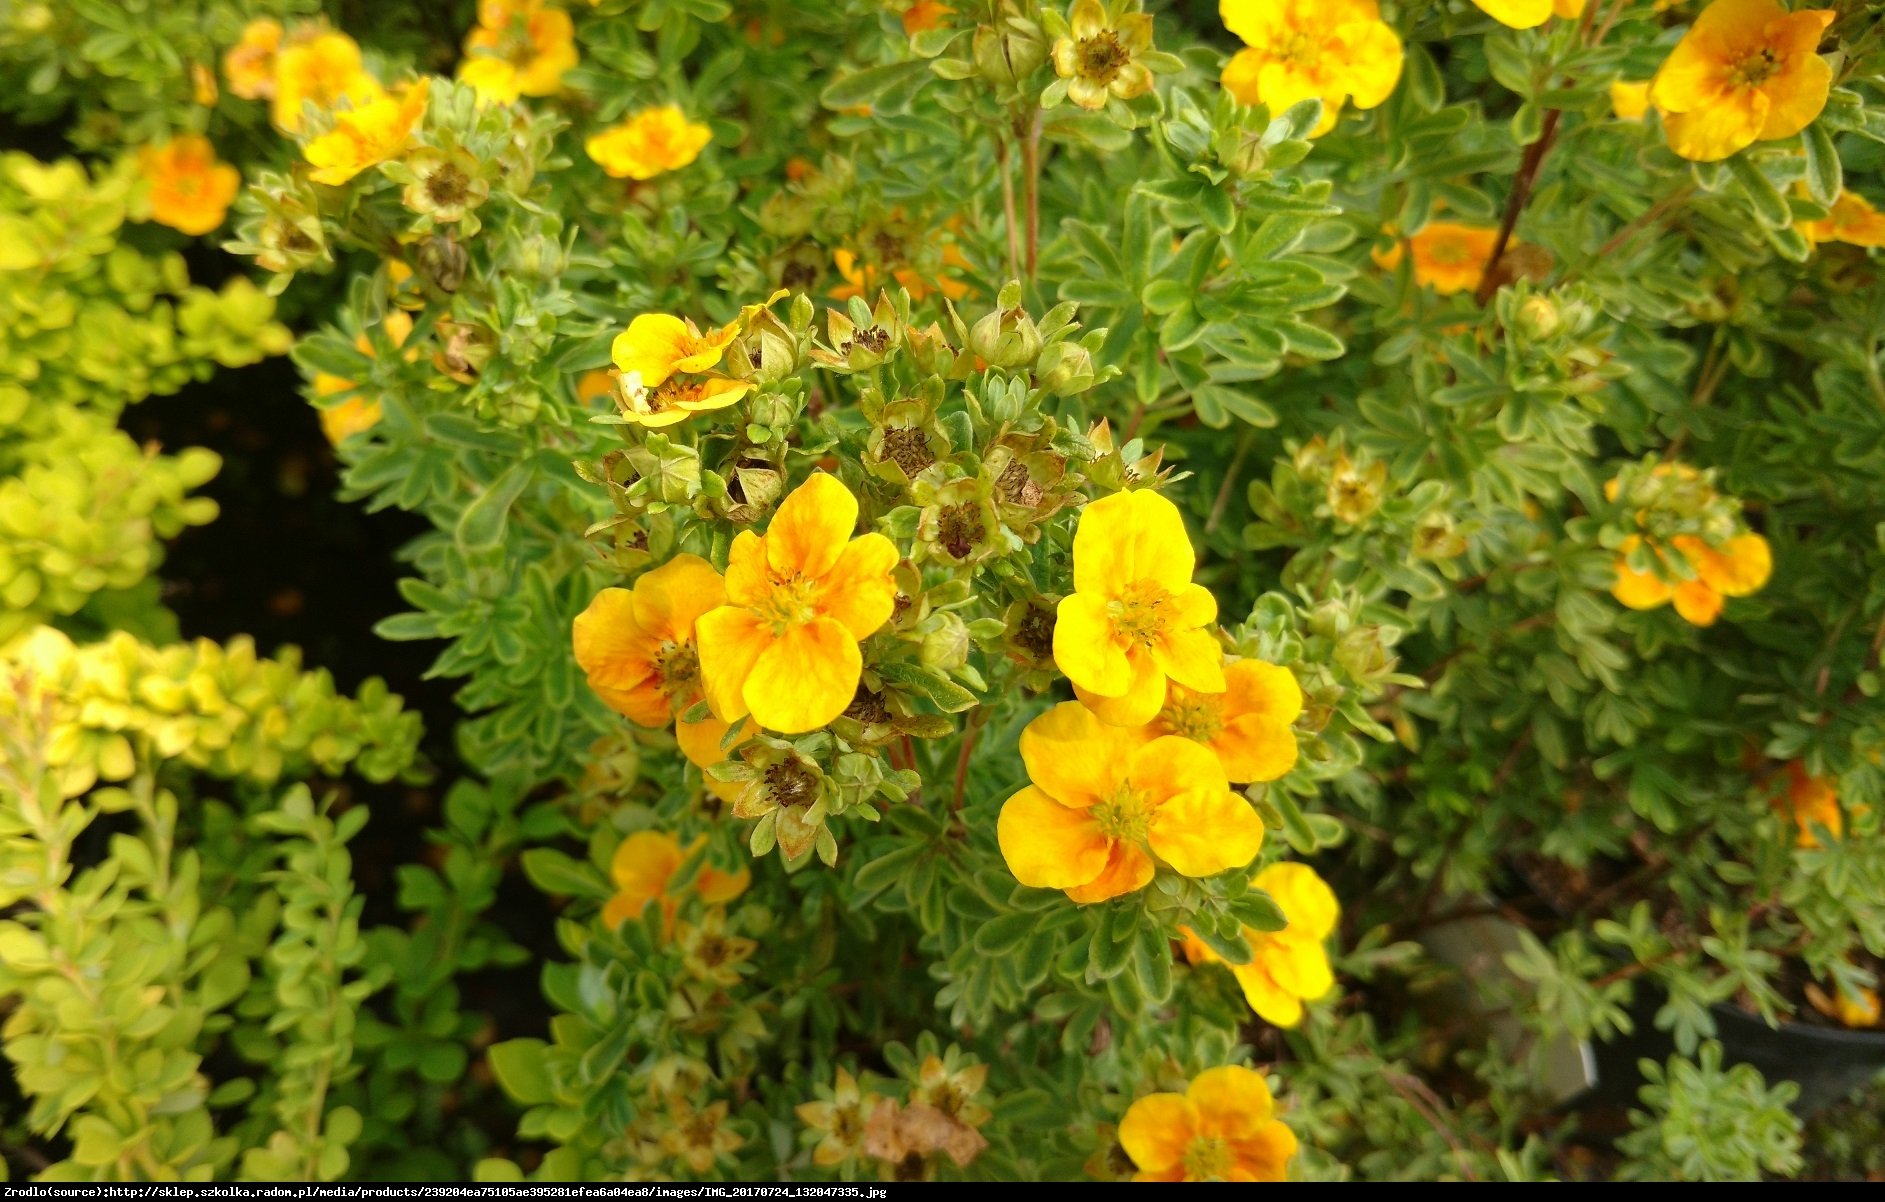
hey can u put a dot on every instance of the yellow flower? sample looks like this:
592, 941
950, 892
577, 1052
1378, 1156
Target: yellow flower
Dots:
518, 48
1857, 1011
1448, 257
189, 190
643, 865
864, 279
1135, 620
636, 648
1528, 14
1247, 725
1338, 51
1740, 567
784, 649
1105, 799
1629, 101
677, 400
1290, 966
841, 1121
1747, 71
357, 414
366, 136
1223, 1128
249, 65
1852, 220
322, 71
1100, 58
657, 345
650, 142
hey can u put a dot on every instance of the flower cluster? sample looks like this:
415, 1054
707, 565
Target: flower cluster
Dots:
1689, 550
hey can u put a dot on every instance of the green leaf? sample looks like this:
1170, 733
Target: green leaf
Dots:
518, 1065
862, 87
555, 873
481, 527
1824, 176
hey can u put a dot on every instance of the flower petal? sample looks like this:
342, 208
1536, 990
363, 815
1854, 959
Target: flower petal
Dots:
858, 590
1305, 898
643, 864
1273, 1004
1797, 93
1232, 1102
1205, 832
1130, 537
1171, 766
1193, 658
1264, 1155
1127, 871
1718, 129
1253, 748
1140, 703
1157, 1129
805, 678
1074, 757
1697, 603
1084, 646
670, 598
812, 528
652, 345
730, 641
1048, 845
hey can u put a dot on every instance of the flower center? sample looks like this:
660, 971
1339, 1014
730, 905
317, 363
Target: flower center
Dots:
1753, 70
678, 665
789, 784
447, 186
908, 448
867, 707
1193, 715
1125, 815
1207, 1159
1016, 486
1034, 633
789, 603
1142, 613
848, 1124
1102, 57
712, 951
959, 529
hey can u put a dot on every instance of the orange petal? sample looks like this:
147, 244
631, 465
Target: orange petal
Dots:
1232, 1102
1253, 748
748, 580
1127, 870
805, 678
1048, 845
1264, 1155
670, 598
812, 528
1697, 603
1140, 703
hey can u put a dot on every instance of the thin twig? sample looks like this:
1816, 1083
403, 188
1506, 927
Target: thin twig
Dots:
1515, 204
1008, 207
1230, 479
1031, 179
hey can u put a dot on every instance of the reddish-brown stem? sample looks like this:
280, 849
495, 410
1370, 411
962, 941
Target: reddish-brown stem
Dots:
1522, 183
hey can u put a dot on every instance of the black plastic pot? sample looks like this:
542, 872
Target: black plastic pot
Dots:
1827, 1063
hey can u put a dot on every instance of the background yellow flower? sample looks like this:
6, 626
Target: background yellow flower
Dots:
1747, 71
652, 141
1290, 966
1223, 1128
1337, 51
190, 190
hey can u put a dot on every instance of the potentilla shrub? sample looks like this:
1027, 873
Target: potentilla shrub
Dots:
1018, 575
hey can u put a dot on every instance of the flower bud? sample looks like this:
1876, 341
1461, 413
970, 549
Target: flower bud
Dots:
946, 646
1006, 337
1065, 369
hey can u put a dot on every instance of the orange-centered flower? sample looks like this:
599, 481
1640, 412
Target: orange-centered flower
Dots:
636, 648
643, 865
1135, 621
1290, 966
784, 648
366, 136
648, 143
249, 65
322, 71
518, 48
189, 190
1852, 220
1747, 71
1448, 257
657, 345
1528, 14
1106, 799
1337, 51
1247, 725
1736, 569
1223, 1128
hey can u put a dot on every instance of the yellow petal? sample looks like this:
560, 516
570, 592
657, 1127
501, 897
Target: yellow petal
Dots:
1273, 1003
1203, 833
1157, 1129
1375, 61
1075, 758
1717, 130
748, 581
805, 678
1517, 14
1048, 845
1131, 537
1305, 898
616, 657
1639, 590
1144, 696
1257, 22
730, 641
643, 863
1127, 870
812, 528
1232, 1102
670, 598
652, 345
1171, 766
1697, 603
1796, 94
1260, 689
1254, 748
703, 742
1242, 76
1084, 647
1264, 1155
858, 590
1193, 658
1299, 967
